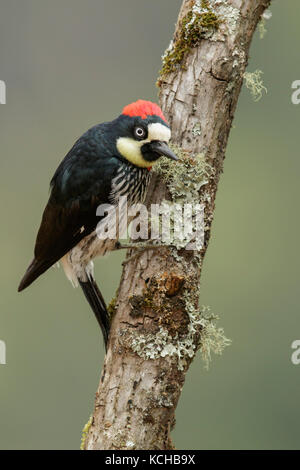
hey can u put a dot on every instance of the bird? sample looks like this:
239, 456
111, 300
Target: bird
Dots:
109, 161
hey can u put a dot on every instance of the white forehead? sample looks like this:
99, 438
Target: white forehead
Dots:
157, 131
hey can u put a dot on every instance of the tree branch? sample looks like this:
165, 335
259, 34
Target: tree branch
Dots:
157, 325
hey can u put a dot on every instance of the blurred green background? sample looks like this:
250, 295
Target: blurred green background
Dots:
68, 65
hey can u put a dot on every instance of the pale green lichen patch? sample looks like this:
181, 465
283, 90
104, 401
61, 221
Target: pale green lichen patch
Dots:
212, 338
254, 82
230, 15
180, 328
85, 432
182, 221
184, 227
239, 58
185, 180
262, 30
196, 131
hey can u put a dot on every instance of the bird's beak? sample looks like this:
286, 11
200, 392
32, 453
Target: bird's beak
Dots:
162, 149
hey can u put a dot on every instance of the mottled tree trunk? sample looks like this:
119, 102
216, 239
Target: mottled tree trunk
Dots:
157, 326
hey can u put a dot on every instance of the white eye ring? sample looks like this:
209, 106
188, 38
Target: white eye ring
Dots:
139, 132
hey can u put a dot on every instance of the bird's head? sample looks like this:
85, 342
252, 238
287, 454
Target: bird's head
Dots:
143, 134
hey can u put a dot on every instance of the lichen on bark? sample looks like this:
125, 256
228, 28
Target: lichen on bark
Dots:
254, 83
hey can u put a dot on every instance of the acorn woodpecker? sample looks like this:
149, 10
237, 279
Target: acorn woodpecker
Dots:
109, 161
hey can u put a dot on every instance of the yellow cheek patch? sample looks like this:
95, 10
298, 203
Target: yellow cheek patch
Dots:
131, 150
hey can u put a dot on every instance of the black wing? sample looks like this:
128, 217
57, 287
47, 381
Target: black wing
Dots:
80, 184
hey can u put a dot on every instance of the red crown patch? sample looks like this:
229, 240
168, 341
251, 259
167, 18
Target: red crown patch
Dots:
143, 109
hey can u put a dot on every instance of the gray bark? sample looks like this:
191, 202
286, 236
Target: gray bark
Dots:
157, 327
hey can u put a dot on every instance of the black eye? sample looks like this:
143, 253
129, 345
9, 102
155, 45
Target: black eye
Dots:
139, 133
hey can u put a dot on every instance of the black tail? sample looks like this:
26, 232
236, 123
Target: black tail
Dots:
97, 303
